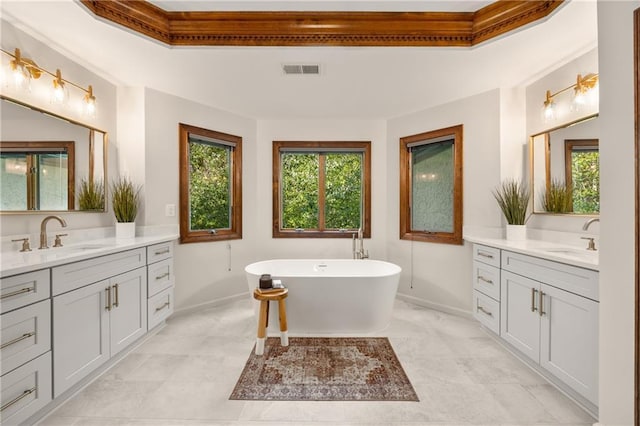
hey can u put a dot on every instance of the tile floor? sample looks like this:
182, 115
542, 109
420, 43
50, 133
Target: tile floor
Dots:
184, 375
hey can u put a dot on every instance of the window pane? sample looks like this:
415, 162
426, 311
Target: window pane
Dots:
343, 190
52, 181
432, 182
209, 186
585, 177
299, 190
14, 181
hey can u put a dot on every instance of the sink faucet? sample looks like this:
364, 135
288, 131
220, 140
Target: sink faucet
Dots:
589, 222
359, 253
43, 230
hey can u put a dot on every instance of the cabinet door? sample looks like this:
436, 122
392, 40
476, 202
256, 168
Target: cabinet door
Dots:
80, 334
128, 319
569, 340
519, 318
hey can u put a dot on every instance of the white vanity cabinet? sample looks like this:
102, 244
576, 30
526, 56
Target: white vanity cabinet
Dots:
96, 321
555, 328
161, 279
486, 286
25, 351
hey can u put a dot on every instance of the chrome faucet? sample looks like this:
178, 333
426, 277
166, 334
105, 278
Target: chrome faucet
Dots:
589, 222
43, 230
360, 252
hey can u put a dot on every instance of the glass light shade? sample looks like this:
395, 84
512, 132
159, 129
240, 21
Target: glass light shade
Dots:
89, 107
59, 93
549, 112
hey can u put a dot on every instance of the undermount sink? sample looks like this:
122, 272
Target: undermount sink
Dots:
574, 252
83, 247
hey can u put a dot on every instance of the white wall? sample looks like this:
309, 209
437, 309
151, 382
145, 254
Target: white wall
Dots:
319, 130
615, 29
439, 274
105, 92
211, 271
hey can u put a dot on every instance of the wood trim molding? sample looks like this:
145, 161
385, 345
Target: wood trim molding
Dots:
322, 28
636, 88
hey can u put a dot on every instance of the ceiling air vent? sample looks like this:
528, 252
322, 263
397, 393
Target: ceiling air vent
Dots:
313, 69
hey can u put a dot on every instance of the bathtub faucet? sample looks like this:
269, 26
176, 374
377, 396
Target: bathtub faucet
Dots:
360, 252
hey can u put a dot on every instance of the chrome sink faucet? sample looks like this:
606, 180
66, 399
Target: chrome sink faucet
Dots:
43, 230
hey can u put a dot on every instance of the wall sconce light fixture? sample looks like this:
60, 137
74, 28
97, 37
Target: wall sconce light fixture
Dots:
585, 92
22, 70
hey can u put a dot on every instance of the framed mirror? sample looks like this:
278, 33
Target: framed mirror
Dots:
48, 162
564, 167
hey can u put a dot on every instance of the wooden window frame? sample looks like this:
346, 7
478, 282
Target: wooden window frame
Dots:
569, 144
406, 233
235, 230
314, 147
37, 147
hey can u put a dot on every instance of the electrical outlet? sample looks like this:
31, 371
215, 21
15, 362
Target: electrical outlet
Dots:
170, 210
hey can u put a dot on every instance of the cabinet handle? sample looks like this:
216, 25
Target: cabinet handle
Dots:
481, 309
17, 292
481, 278
17, 399
533, 300
18, 339
117, 302
158, 253
108, 291
166, 305
166, 274
483, 254
542, 312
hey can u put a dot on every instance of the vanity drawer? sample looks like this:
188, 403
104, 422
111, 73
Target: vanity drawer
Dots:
26, 390
75, 275
487, 311
159, 252
486, 279
160, 276
26, 334
581, 281
21, 290
160, 307
486, 254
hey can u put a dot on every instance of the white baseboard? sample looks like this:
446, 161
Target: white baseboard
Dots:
211, 303
436, 306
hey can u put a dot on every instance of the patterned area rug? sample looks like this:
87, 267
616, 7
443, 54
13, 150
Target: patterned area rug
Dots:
325, 369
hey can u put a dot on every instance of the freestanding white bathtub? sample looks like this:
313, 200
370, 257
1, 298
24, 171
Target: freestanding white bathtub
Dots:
331, 296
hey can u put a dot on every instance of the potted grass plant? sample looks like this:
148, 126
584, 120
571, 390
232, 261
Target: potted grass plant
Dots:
124, 199
558, 198
91, 195
513, 198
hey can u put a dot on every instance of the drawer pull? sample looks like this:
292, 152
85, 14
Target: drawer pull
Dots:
108, 291
483, 254
18, 339
483, 310
117, 302
486, 280
17, 399
166, 305
166, 274
17, 292
542, 312
159, 252
533, 300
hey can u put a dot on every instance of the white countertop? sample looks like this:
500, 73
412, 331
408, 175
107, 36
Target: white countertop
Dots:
12, 263
563, 253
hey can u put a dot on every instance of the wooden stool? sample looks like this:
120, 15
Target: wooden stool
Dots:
263, 321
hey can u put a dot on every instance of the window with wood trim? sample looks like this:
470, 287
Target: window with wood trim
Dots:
210, 185
321, 189
582, 174
431, 186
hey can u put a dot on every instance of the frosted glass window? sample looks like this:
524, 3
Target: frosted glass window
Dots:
431, 186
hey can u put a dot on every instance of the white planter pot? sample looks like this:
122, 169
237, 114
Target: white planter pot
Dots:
516, 232
125, 230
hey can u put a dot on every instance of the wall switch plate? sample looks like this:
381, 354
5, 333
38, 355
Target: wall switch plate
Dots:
170, 210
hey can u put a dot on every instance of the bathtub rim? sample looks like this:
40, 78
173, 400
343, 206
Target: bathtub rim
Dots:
395, 269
